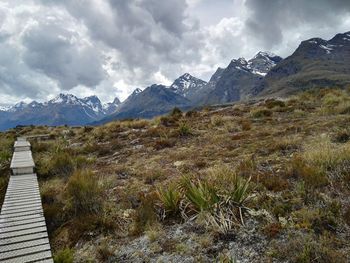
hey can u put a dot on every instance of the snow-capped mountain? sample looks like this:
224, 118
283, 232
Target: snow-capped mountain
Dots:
65, 99
111, 107
91, 103
63, 109
260, 64
187, 85
5, 108
240, 79
18, 106
263, 62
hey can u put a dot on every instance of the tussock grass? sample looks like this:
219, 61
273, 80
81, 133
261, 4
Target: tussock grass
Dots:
326, 155
261, 113
84, 193
64, 256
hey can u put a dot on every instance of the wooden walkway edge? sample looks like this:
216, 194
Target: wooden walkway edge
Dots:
23, 232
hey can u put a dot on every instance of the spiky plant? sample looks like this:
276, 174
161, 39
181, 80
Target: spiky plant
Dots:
240, 191
170, 198
201, 194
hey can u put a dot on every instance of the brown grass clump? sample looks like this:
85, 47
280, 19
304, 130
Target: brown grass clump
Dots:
347, 215
164, 143
308, 248
245, 124
260, 113
274, 182
271, 230
272, 103
145, 215
341, 136
313, 176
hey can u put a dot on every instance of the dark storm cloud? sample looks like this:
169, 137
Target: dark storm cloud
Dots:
57, 52
145, 34
269, 20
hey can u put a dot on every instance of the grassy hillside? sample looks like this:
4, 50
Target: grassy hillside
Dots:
264, 181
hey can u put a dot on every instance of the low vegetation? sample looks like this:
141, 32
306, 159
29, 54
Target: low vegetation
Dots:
264, 181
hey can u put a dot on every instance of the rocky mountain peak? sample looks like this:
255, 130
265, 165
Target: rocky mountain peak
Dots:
186, 84
111, 107
136, 91
35, 104
262, 62
216, 76
64, 99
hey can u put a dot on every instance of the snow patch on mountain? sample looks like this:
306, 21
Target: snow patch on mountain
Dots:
186, 84
327, 48
260, 64
5, 108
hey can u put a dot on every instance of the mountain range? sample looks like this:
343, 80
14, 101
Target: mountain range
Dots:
315, 63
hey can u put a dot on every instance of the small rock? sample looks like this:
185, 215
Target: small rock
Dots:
178, 163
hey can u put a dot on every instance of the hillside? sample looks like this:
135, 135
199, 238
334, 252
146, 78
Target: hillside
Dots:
259, 181
315, 63
153, 101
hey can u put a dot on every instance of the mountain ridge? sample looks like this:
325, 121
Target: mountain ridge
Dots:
315, 63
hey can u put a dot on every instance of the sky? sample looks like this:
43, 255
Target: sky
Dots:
109, 48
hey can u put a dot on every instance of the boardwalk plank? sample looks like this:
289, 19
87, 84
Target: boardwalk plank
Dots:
30, 257
24, 251
23, 232
31, 243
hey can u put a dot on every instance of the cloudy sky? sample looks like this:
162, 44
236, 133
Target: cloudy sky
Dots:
111, 47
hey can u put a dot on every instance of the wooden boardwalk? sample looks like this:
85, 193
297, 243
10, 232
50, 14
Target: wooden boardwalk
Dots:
23, 233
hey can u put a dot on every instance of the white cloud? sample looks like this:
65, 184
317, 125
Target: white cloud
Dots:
111, 47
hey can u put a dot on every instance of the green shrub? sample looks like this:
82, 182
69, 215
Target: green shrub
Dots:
64, 256
184, 129
60, 164
83, 193
176, 112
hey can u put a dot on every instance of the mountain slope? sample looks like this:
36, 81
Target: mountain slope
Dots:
240, 79
154, 100
315, 63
